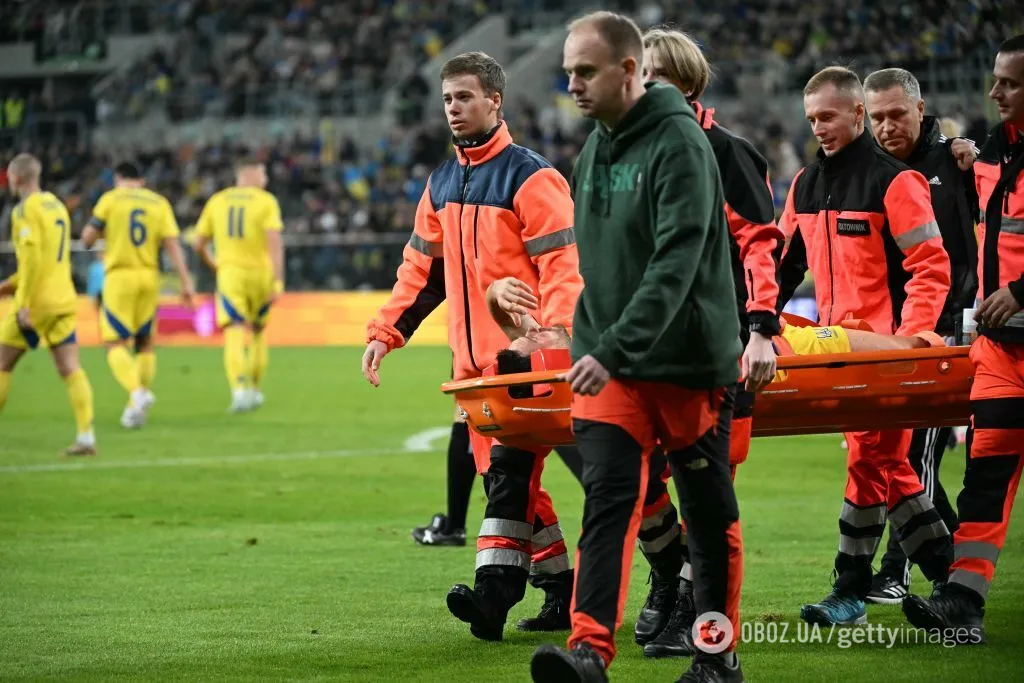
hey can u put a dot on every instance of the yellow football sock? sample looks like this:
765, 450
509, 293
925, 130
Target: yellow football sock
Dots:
259, 354
5, 385
235, 357
147, 368
123, 365
80, 393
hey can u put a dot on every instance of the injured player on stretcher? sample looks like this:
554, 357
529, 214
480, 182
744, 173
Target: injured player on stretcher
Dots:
510, 302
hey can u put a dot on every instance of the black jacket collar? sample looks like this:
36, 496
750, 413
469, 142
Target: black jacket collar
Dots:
849, 156
929, 138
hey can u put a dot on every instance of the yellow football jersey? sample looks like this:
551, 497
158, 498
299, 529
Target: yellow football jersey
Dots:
135, 222
237, 220
41, 231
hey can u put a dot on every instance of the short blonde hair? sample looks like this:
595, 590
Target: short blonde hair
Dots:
843, 79
25, 167
681, 57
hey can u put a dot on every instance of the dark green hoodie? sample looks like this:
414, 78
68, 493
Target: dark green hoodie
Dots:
657, 301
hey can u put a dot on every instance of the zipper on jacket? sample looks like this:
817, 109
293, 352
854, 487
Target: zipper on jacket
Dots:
476, 247
831, 272
465, 278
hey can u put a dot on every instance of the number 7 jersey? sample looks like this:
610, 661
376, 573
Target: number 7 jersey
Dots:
135, 222
237, 220
40, 229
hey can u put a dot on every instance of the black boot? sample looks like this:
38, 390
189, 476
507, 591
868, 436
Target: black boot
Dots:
954, 611
657, 608
554, 616
552, 664
676, 639
720, 668
486, 617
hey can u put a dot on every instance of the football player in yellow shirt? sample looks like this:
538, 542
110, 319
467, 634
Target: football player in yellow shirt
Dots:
45, 303
244, 224
135, 222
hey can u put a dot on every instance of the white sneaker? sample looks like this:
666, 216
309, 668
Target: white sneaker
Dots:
240, 401
142, 400
255, 399
132, 417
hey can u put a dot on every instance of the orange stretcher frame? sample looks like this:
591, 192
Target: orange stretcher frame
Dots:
820, 394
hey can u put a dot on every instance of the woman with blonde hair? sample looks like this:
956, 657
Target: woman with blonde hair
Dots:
674, 58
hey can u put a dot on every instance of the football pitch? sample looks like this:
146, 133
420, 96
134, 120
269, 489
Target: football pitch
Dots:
275, 545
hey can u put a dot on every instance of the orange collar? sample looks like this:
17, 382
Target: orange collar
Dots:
705, 117
487, 151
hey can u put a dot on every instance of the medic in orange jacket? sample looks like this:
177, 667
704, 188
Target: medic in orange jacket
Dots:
494, 210
864, 224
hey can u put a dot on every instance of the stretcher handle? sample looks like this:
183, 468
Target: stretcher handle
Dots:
518, 379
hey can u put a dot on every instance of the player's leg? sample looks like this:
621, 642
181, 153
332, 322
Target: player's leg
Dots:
12, 347
550, 569
259, 351
661, 543
233, 319
699, 457
145, 354
118, 325
64, 349
994, 465
614, 435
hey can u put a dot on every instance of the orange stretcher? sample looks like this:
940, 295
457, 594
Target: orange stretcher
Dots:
819, 394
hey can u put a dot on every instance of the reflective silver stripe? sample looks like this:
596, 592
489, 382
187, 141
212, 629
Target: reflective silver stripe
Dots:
432, 249
976, 582
1008, 224
547, 536
545, 243
661, 542
915, 236
913, 542
862, 517
502, 556
976, 549
1014, 226
552, 565
1016, 320
656, 520
858, 546
506, 528
908, 509
686, 572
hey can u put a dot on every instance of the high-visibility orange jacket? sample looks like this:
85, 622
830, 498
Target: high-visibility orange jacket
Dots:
1000, 183
751, 214
494, 210
863, 222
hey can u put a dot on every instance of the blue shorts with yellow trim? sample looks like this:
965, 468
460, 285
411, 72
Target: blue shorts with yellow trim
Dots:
243, 296
130, 298
51, 330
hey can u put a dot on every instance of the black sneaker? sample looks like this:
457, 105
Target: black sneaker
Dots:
486, 621
713, 669
886, 590
657, 608
552, 664
436, 533
951, 611
676, 639
553, 616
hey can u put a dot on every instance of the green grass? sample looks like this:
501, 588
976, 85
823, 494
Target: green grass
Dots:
210, 564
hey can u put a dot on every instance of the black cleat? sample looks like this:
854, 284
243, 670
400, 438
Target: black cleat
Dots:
553, 616
713, 669
552, 664
676, 639
886, 590
657, 608
485, 621
951, 611
436, 533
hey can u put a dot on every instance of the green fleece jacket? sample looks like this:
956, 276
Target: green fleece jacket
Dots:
658, 301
